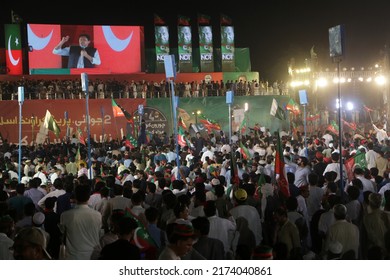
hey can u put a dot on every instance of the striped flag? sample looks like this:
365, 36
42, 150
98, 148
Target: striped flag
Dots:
244, 152
51, 124
119, 111
277, 111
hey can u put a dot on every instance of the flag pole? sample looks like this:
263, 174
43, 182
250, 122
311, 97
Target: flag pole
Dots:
84, 86
20, 101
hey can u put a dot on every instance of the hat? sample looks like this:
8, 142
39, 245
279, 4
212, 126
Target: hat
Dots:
240, 194
215, 182
183, 230
38, 218
335, 247
27, 161
34, 236
330, 145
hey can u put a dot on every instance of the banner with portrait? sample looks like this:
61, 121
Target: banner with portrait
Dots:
185, 48
227, 49
206, 48
162, 46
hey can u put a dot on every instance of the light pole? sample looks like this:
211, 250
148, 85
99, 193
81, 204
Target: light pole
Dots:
32, 128
20, 101
196, 113
246, 109
84, 86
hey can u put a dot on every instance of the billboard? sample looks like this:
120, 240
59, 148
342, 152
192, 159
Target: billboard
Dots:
227, 49
162, 46
185, 48
103, 49
206, 48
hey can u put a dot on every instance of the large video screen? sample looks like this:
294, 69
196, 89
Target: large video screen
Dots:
104, 49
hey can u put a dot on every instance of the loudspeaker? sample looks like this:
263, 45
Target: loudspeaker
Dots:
336, 41
229, 97
169, 65
84, 82
20, 94
303, 97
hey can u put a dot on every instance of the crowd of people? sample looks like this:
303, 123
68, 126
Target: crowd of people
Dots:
114, 88
212, 199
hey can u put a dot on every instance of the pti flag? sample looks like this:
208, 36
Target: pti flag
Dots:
13, 42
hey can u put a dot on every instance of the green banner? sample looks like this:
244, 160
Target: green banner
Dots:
227, 49
206, 48
162, 46
185, 48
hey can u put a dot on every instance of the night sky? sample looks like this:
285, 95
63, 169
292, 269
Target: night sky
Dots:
275, 31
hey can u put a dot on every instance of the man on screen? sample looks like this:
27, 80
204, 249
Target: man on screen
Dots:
162, 40
206, 39
82, 56
185, 39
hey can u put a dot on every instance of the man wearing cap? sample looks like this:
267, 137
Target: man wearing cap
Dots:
343, 231
30, 244
248, 220
180, 237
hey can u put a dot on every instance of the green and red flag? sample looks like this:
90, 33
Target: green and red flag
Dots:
158, 20
130, 141
209, 124
180, 123
142, 238
351, 125
244, 152
119, 111
80, 136
203, 19
225, 20
293, 107
183, 20
333, 127
358, 160
280, 171
260, 183
13, 47
181, 137
243, 126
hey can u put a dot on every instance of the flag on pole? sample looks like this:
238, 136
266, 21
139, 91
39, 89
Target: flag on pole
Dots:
243, 126
119, 111
80, 136
51, 124
244, 152
333, 127
277, 111
181, 138
181, 123
225, 20
280, 170
358, 160
158, 20
203, 19
209, 124
293, 107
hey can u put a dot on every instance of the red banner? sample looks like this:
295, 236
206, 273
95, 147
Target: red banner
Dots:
33, 114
